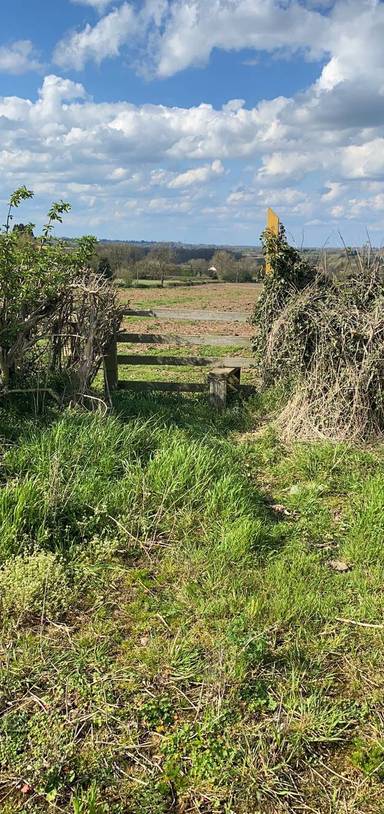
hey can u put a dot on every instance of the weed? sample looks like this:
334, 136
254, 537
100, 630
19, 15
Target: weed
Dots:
369, 757
35, 587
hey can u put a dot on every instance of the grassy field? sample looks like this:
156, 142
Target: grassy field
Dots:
181, 597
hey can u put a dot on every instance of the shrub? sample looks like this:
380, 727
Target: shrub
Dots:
326, 339
55, 317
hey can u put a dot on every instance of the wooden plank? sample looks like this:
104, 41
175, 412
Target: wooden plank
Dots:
171, 387
180, 361
184, 341
273, 226
194, 316
111, 367
177, 387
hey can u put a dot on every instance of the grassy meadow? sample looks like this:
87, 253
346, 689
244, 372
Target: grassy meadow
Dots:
191, 611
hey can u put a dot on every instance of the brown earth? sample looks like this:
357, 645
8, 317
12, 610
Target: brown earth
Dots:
216, 296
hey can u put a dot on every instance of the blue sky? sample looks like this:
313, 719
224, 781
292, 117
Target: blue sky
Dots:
185, 119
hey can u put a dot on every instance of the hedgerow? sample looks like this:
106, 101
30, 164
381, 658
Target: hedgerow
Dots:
56, 316
324, 338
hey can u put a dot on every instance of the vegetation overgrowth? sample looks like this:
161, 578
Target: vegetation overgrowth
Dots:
56, 316
324, 338
181, 599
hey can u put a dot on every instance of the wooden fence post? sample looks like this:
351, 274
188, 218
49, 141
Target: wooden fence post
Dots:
111, 368
223, 381
273, 225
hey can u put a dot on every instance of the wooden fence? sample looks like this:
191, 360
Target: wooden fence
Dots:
223, 376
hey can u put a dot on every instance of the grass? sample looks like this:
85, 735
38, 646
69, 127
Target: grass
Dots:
171, 634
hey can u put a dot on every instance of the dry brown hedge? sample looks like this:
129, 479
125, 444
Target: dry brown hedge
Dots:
325, 339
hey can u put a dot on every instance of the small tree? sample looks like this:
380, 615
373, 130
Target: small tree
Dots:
104, 268
161, 259
290, 273
224, 262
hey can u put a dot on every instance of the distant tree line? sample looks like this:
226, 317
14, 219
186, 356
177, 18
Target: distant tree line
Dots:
131, 263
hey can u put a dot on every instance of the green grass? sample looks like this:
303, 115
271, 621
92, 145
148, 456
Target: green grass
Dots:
171, 628
174, 282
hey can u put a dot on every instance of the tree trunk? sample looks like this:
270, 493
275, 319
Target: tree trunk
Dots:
4, 367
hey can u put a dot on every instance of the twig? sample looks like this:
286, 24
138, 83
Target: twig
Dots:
359, 624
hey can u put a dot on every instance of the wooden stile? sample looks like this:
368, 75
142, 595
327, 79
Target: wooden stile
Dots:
221, 382
181, 314
222, 379
185, 361
111, 368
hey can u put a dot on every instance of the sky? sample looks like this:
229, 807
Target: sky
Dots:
184, 120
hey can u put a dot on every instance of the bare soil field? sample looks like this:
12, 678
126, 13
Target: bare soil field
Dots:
219, 296
223, 296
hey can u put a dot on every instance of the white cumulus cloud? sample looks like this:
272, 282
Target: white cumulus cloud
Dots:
364, 160
19, 57
96, 43
198, 175
195, 27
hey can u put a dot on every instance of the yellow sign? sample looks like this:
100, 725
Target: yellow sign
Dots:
273, 225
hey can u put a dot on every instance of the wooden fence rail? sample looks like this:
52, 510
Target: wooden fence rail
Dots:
178, 340
191, 316
185, 361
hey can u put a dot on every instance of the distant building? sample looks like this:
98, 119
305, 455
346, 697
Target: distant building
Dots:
213, 269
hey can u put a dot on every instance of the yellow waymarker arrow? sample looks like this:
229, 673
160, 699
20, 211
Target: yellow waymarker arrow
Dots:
273, 225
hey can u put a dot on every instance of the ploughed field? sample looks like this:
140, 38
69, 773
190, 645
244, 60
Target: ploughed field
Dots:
223, 296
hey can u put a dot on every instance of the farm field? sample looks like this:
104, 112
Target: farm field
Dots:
224, 296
